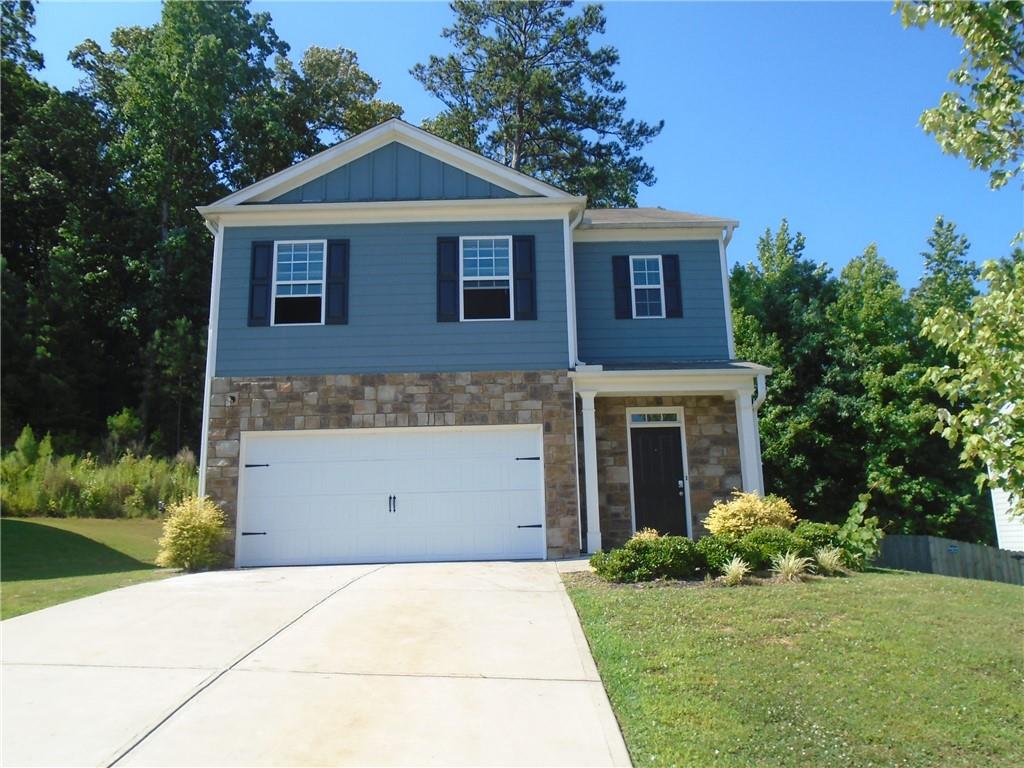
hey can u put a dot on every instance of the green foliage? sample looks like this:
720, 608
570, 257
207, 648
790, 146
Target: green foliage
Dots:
35, 482
761, 545
983, 382
525, 87
814, 536
847, 410
192, 535
648, 556
790, 566
860, 537
980, 118
717, 551
735, 571
746, 511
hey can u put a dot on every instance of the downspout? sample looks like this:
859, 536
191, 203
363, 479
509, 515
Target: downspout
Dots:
572, 287
211, 349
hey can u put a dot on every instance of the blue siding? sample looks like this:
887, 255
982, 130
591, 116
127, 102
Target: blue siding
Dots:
393, 172
392, 307
700, 334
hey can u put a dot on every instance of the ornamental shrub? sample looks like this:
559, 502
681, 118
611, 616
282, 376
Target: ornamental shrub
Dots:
717, 551
815, 536
763, 544
746, 511
192, 534
860, 537
648, 556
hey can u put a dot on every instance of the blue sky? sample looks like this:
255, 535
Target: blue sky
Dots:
799, 110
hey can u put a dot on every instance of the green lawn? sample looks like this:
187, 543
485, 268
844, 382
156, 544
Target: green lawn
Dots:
880, 669
45, 561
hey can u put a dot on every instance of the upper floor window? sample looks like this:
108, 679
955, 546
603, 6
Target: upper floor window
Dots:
298, 282
486, 278
647, 287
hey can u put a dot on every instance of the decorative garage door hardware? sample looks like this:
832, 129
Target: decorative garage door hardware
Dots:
256, 465
534, 525
254, 533
392, 503
527, 458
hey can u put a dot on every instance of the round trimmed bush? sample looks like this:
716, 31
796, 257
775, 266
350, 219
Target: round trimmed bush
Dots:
746, 511
762, 544
192, 534
648, 556
718, 551
814, 536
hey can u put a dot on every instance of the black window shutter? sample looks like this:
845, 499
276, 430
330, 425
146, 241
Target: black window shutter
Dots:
673, 288
524, 273
447, 279
620, 278
260, 281
337, 283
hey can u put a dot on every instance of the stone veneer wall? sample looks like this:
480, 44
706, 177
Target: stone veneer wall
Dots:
241, 404
712, 448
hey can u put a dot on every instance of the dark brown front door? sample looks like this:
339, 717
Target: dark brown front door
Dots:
657, 471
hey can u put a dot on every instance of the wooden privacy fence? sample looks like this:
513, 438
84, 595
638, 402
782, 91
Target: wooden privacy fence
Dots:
931, 554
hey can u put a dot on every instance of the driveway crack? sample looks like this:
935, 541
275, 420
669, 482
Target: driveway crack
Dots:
214, 678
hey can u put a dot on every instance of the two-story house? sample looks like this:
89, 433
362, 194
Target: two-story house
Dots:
416, 353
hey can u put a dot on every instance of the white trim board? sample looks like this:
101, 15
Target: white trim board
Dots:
681, 423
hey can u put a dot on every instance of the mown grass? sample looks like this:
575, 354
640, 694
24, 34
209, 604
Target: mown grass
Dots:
46, 561
880, 669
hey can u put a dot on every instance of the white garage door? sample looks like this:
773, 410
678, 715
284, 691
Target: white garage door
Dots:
391, 495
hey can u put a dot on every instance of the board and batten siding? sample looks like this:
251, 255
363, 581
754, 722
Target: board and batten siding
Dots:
393, 172
392, 321
700, 334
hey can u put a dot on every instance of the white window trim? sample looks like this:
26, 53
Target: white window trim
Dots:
273, 285
681, 424
661, 287
511, 283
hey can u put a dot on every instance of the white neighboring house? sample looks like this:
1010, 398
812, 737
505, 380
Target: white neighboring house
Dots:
1009, 530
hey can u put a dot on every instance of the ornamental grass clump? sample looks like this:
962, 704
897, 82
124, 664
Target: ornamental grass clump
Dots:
192, 535
746, 511
735, 571
830, 561
791, 567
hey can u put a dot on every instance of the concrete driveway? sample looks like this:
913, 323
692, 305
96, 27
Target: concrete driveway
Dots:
425, 664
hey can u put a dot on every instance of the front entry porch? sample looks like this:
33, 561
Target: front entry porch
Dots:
658, 448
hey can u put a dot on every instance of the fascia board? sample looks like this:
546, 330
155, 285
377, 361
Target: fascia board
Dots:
517, 209
646, 234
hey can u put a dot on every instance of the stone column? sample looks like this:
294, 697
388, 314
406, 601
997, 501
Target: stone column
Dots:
590, 472
746, 429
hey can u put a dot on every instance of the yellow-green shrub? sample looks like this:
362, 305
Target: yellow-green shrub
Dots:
192, 535
746, 511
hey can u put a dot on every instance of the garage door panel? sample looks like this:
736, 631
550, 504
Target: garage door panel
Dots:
324, 498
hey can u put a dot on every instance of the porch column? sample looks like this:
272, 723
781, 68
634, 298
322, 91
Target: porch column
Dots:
746, 431
590, 471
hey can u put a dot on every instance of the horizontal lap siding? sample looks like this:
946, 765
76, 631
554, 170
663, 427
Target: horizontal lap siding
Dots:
700, 334
392, 323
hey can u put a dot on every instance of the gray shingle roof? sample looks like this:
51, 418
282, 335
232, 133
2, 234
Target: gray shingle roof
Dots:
606, 218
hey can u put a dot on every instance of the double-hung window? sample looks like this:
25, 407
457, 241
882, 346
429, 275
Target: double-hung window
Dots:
647, 288
298, 282
486, 278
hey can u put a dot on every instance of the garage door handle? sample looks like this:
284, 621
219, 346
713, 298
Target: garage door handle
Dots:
535, 525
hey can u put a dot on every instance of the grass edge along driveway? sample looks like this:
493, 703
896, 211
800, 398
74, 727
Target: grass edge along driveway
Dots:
47, 561
884, 668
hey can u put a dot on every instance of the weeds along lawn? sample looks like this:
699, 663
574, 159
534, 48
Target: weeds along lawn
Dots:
883, 668
45, 561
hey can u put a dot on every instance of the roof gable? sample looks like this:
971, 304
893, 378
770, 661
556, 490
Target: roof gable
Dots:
395, 171
318, 168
